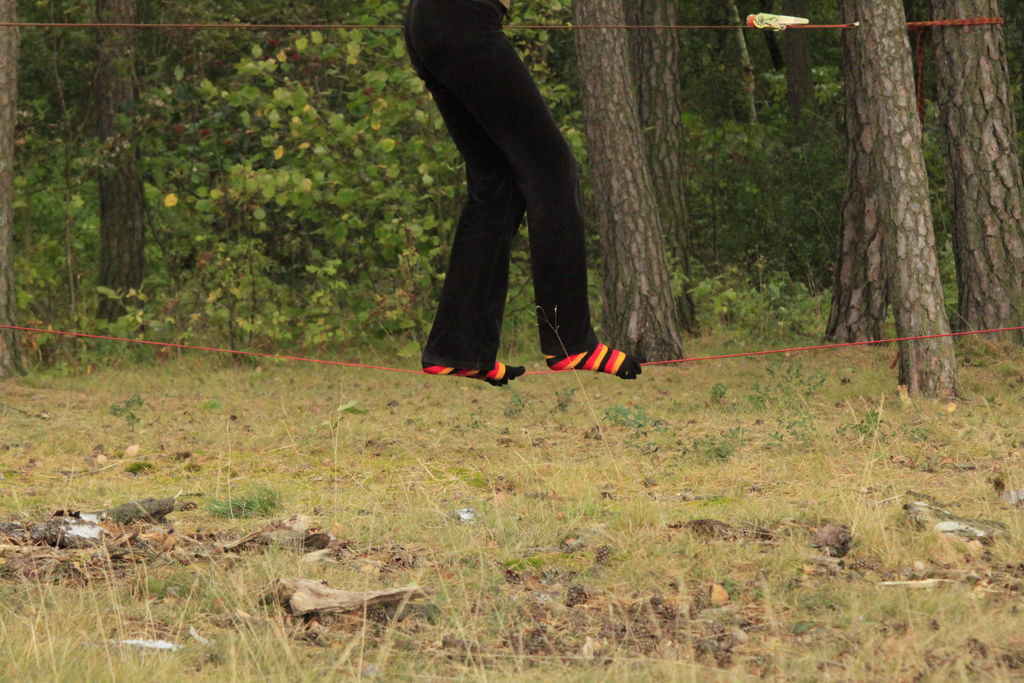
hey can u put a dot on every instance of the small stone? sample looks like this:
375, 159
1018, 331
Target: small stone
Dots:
739, 636
719, 596
465, 515
720, 616
1012, 497
834, 539
133, 451
975, 546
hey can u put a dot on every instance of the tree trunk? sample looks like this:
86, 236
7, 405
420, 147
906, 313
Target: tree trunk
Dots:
640, 312
746, 66
982, 166
10, 361
797, 54
886, 137
860, 286
661, 112
122, 202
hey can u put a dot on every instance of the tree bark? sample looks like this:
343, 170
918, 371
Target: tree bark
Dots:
640, 312
983, 173
746, 66
860, 287
797, 55
660, 98
10, 360
889, 181
122, 202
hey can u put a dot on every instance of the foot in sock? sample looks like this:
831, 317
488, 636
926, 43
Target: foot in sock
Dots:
498, 377
600, 359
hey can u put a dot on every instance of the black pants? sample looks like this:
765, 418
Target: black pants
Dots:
516, 161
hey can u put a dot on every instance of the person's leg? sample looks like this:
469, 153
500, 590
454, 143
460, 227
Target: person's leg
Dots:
458, 47
467, 325
460, 44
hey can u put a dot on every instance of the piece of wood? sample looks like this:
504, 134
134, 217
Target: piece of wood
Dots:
146, 510
67, 532
14, 531
291, 531
924, 583
303, 596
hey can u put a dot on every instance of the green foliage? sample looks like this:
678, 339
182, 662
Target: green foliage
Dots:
302, 188
139, 468
516, 403
634, 418
260, 501
773, 308
721, 447
868, 427
127, 410
564, 399
762, 202
319, 193
788, 385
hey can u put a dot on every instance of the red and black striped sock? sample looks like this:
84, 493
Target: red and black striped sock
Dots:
500, 376
601, 358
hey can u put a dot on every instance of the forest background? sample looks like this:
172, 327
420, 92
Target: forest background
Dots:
300, 191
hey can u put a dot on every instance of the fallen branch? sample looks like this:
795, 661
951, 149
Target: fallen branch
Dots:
147, 510
303, 596
924, 583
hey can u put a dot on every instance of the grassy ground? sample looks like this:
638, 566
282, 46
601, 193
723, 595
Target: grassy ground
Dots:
577, 566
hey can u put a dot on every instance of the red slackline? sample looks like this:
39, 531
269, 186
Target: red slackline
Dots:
272, 356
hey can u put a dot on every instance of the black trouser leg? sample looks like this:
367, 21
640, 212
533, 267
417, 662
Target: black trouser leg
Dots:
467, 325
515, 154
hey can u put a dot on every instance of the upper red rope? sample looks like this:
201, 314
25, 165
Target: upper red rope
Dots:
981, 21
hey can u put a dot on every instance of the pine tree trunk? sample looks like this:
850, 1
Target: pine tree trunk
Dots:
661, 111
982, 166
797, 54
746, 66
10, 361
640, 312
896, 205
860, 286
122, 202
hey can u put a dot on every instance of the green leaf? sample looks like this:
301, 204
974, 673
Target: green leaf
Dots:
803, 627
347, 196
351, 409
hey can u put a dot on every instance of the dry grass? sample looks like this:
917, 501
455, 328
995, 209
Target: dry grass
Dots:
573, 570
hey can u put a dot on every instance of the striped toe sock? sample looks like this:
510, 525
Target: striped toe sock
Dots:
601, 358
500, 376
